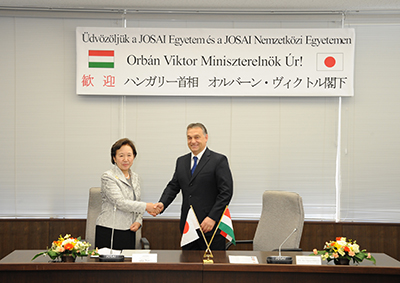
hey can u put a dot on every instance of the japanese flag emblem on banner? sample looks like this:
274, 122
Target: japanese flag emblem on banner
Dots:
329, 61
189, 232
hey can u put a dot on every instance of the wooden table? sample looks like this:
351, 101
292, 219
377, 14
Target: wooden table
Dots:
387, 269
187, 266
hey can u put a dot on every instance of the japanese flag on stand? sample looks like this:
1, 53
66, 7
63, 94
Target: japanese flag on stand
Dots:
226, 226
189, 232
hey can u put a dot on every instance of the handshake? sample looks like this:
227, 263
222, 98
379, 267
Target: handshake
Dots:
154, 208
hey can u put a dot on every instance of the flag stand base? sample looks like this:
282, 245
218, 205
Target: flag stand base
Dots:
207, 258
208, 261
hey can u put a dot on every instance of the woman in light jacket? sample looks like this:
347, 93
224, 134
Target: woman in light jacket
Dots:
121, 208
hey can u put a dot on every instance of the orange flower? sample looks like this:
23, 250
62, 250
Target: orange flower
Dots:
69, 246
346, 249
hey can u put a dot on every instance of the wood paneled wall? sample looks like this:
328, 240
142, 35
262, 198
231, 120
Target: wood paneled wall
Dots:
163, 234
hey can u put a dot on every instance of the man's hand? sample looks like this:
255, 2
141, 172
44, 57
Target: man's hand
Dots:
152, 209
159, 207
207, 225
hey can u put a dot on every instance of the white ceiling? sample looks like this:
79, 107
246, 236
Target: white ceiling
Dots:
208, 5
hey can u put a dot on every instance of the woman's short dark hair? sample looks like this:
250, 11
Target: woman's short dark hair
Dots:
118, 144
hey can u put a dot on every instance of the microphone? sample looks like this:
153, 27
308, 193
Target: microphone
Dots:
281, 259
112, 257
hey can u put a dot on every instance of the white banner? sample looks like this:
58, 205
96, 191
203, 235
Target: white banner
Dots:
215, 62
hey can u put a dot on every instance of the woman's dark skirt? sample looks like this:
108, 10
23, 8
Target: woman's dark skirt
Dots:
123, 239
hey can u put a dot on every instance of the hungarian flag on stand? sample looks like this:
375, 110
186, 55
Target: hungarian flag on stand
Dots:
226, 226
189, 232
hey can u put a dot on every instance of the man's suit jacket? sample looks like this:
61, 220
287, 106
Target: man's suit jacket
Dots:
209, 190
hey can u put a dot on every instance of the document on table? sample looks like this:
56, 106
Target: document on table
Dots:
243, 259
308, 260
144, 257
136, 255
129, 253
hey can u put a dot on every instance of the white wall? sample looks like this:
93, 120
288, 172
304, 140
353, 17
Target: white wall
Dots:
55, 144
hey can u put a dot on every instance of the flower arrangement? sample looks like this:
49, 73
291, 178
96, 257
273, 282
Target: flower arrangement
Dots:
343, 249
67, 245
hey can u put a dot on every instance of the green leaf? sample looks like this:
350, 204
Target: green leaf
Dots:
39, 254
372, 259
360, 257
53, 254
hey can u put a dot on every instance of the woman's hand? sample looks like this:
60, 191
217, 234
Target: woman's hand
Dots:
154, 209
135, 226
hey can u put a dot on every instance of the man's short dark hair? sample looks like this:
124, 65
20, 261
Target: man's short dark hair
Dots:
197, 125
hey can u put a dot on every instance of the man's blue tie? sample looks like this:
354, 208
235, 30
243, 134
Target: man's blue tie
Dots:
195, 164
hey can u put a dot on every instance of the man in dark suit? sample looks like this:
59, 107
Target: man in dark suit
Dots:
208, 189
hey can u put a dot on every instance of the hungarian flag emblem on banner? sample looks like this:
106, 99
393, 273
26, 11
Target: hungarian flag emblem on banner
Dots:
189, 232
226, 227
101, 58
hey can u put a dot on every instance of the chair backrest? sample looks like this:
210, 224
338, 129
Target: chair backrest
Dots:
94, 209
281, 213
